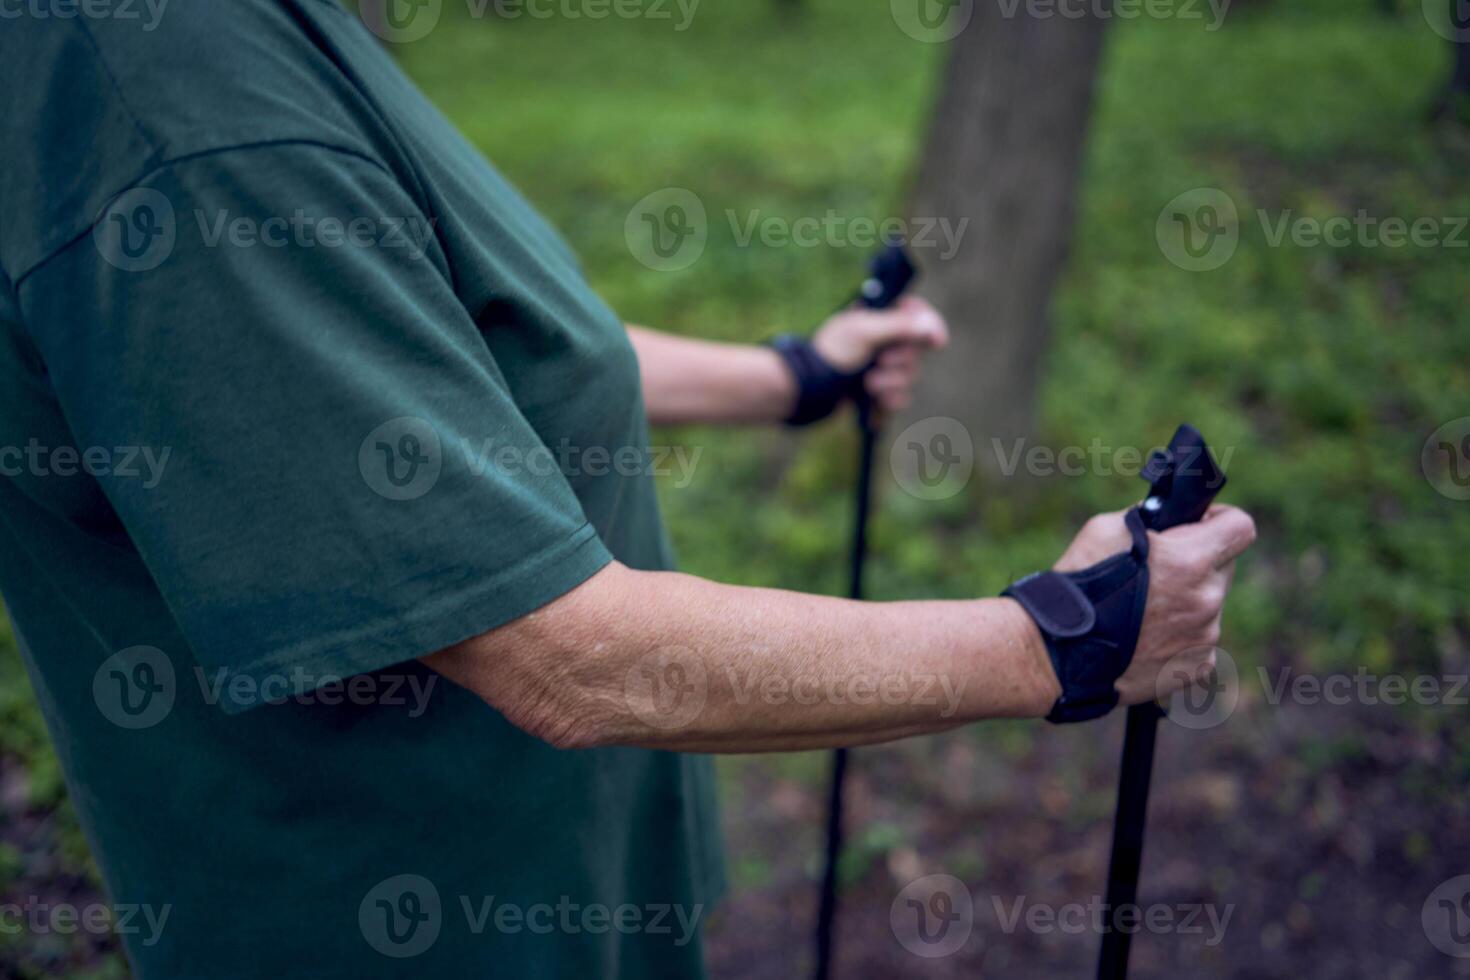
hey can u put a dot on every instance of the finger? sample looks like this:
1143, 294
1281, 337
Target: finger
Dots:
881, 381
1224, 533
896, 400
1235, 532
921, 308
903, 355
900, 325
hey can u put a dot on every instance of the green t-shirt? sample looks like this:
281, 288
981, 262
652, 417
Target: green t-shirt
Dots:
297, 389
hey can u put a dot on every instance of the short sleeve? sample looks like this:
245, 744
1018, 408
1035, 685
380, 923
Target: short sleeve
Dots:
313, 417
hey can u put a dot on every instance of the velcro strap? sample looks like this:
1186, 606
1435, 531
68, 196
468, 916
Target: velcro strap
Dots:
820, 387
1090, 620
1060, 608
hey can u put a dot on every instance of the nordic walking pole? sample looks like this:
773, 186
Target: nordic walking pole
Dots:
888, 276
1184, 479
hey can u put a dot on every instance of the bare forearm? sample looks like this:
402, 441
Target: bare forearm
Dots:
688, 381
670, 661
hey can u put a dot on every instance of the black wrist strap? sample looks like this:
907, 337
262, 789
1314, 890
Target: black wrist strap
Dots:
820, 387
1090, 621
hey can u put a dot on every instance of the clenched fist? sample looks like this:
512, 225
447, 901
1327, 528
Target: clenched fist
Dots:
1190, 570
895, 337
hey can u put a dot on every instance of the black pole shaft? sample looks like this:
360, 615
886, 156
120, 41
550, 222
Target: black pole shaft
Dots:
827, 910
1128, 830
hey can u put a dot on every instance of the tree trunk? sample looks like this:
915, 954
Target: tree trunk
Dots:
1003, 152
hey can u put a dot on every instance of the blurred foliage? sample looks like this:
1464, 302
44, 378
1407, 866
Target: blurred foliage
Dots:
1324, 368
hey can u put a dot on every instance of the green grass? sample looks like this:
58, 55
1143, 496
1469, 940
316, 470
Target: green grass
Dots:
1325, 368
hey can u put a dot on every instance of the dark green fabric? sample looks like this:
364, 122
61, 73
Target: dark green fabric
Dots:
197, 514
